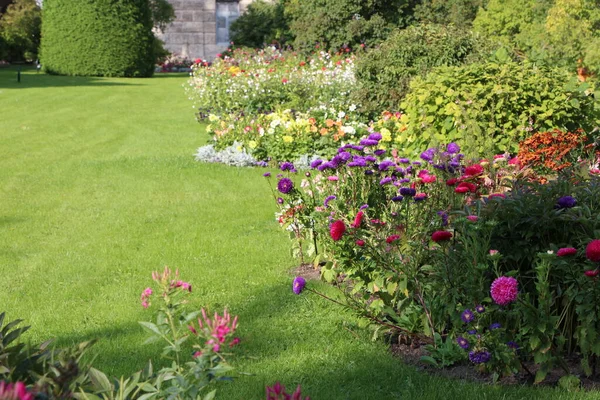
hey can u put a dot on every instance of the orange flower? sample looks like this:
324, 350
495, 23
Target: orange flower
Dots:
323, 131
329, 123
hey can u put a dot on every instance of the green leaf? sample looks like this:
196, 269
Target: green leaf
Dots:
211, 395
150, 327
100, 381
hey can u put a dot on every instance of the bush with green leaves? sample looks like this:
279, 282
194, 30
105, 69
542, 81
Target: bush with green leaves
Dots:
337, 24
100, 38
459, 13
264, 23
490, 107
383, 74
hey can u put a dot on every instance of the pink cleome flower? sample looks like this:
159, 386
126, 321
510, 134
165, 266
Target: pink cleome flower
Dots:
504, 290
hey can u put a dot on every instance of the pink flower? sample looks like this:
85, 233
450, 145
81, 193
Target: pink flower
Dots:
592, 251
441, 236
332, 178
337, 230
197, 354
472, 218
358, 219
592, 273
360, 243
145, 304
234, 342
493, 252
392, 239
504, 290
14, 391
566, 251
148, 292
474, 170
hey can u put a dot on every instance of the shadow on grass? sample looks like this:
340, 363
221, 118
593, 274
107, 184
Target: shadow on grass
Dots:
32, 79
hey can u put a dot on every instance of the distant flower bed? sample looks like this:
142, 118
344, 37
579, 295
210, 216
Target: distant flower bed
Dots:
485, 260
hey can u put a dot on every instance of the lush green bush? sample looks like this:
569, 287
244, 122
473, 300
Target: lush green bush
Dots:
100, 38
20, 30
491, 107
336, 24
263, 23
384, 73
457, 12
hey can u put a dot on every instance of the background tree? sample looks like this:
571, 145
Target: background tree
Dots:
163, 13
457, 12
263, 23
334, 24
20, 29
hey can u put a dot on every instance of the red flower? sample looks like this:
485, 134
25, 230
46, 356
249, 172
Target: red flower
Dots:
441, 236
592, 251
392, 239
592, 273
465, 187
451, 182
337, 230
474, 170
360, 243
566, 251
284, 80
358, 219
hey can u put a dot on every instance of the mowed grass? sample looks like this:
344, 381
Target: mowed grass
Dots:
98, 187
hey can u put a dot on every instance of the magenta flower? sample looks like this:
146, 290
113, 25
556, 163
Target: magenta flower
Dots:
14, 391
566, 251
217, 329
504, 290
298, 284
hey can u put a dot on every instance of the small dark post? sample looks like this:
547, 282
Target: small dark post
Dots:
19, 75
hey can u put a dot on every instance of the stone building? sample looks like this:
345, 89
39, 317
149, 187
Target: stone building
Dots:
201, 27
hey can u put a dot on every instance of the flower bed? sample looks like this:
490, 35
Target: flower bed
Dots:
484, 260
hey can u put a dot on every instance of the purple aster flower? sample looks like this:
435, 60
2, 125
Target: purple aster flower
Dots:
385, 165
404, 160
357, 162
566, 202
462, 342
427, 155
328, 199
375, 136
280, 200
479, 357
417, 163
287, 166
444, 216
369, 142
316, 163
379, 152
385, 181
337, 161
364, 207
397, 198
454, 164
358, 148
472, 331
512, 345
262, 163
495, 325
480, 309
404, 180
298, 284
267, 174
279, 176
368, 172
467, 316
285, 185
344, 156
324, 166
370, 159
407, 191
452, 148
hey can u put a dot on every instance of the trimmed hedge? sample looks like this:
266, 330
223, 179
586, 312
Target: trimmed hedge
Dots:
97, 38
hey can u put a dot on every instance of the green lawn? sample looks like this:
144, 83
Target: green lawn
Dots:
98, 187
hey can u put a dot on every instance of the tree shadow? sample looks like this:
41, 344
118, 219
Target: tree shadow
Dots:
30, 78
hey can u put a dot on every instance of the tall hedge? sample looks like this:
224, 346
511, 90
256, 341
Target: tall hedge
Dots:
97, 38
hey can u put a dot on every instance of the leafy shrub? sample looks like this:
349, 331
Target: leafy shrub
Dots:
20, 30
337, 24
383, 74
100, 38
263, 23
491, 107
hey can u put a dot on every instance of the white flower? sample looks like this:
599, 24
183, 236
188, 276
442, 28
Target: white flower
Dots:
348, 129
352, 107
341, 115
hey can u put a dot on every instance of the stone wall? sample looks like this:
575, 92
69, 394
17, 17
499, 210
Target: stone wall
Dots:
193, 34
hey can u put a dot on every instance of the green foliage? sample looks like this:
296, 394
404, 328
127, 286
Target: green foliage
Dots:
100, 38
384, 73
263, 23
457, 12
20, 29
162, 12
491, 107
334, 24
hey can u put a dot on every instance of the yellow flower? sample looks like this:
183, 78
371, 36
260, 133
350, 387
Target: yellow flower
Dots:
252, 144
212, 118
288, 139
386, 135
